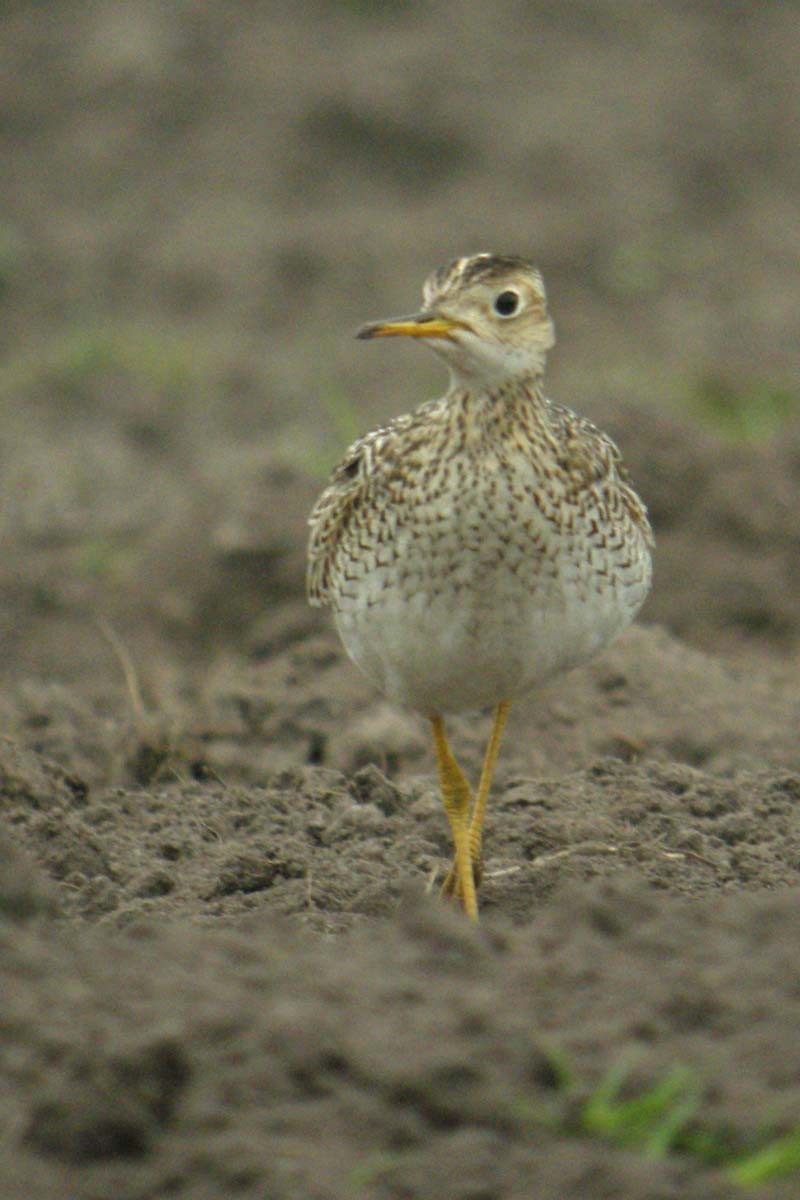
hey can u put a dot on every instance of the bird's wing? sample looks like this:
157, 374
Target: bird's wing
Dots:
352, 484
593, 460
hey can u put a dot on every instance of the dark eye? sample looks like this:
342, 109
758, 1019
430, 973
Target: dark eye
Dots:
506, 304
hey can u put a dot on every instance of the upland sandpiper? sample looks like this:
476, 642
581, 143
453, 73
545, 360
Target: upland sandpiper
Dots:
485, 542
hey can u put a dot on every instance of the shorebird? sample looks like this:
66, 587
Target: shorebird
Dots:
483, 543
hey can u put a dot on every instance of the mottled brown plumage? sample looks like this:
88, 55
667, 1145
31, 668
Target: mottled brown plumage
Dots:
488, 540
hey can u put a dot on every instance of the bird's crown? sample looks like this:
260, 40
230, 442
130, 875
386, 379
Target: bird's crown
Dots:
462, 273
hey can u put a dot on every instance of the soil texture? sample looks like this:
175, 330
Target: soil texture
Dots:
225, 968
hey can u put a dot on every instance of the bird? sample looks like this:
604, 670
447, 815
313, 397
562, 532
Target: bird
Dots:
483, 543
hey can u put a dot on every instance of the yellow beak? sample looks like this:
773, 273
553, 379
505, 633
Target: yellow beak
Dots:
423, 325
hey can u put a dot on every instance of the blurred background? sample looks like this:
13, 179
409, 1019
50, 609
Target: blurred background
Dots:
202, 201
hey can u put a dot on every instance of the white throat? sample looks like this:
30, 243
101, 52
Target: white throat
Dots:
489, 366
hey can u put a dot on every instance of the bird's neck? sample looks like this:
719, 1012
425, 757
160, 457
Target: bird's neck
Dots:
484, 416
517, 393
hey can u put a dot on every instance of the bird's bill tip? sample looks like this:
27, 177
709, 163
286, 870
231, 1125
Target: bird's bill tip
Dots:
423, 325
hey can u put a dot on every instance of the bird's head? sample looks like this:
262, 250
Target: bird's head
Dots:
486, 315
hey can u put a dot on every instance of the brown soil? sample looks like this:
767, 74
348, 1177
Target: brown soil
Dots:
224, 970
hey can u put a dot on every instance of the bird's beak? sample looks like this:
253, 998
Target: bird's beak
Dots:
422, 325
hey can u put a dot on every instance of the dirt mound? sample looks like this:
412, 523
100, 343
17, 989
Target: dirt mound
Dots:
191, 1061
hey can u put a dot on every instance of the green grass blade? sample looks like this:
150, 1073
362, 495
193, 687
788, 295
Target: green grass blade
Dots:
773, 1161
652, 1120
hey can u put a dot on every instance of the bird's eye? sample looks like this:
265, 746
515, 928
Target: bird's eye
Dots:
506, 304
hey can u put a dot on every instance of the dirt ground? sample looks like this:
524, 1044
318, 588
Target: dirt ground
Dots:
225, 971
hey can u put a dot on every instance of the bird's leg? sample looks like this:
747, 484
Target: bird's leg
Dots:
457, 797
452, 884
485, 783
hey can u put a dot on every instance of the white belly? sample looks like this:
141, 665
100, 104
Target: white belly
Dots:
466, 629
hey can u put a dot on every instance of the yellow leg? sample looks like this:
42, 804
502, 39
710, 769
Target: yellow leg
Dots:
452, 884
457, 797
485, 783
